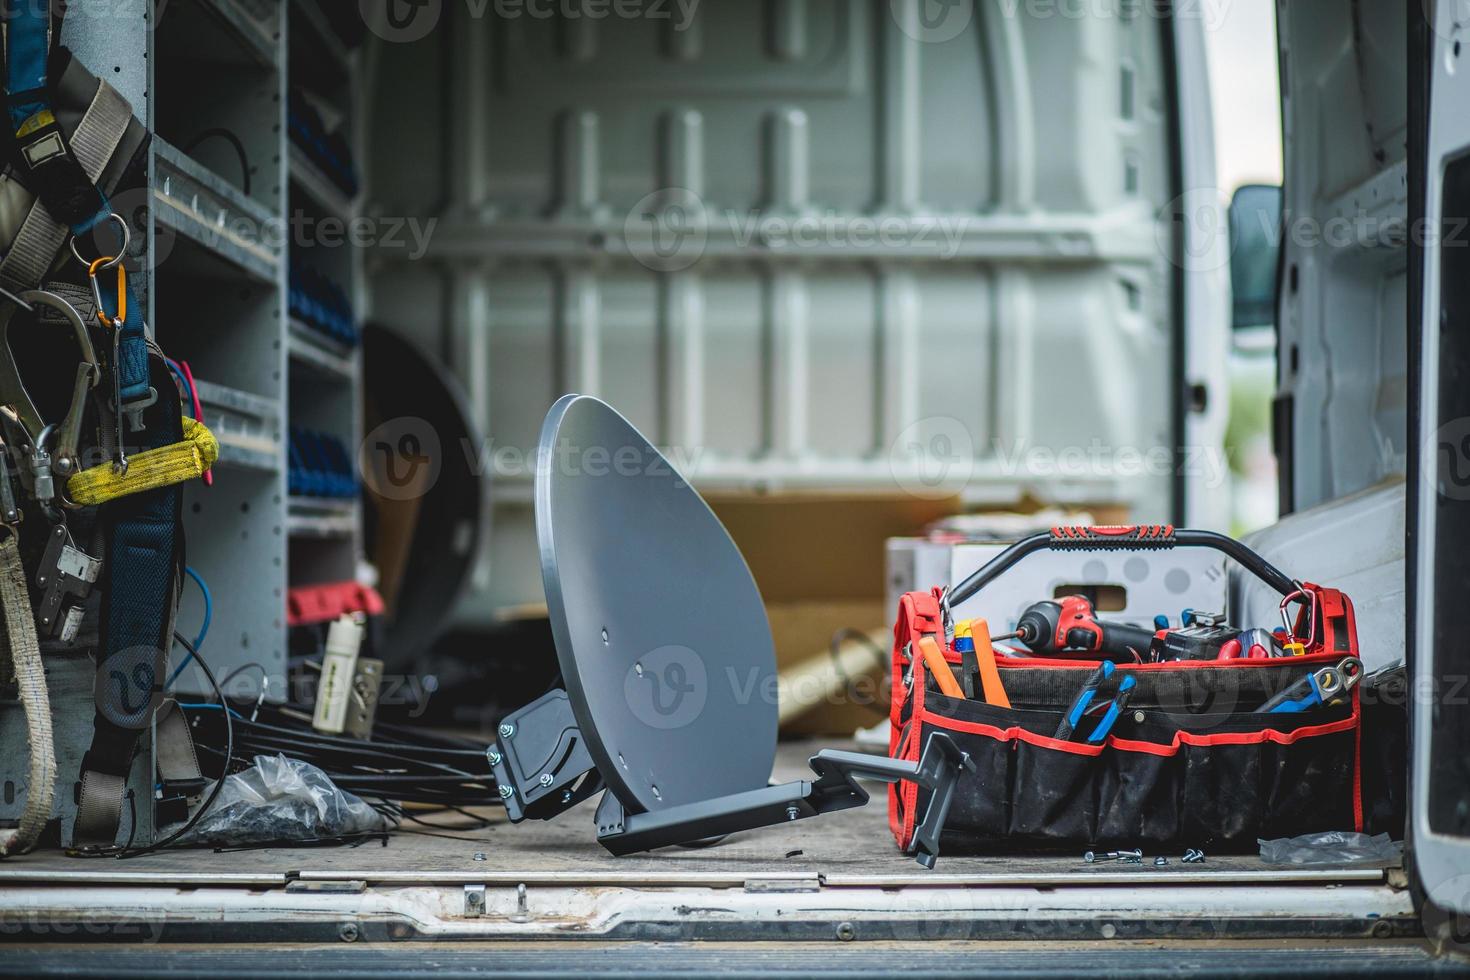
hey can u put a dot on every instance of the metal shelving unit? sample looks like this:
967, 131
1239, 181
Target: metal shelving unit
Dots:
314, 517
190, 200
247, 426
324, 373
314, 352
252, 24
312, 22
226, 186
217, 300
323, 192
214, 231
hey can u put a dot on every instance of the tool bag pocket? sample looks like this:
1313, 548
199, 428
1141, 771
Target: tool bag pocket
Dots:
1189, 763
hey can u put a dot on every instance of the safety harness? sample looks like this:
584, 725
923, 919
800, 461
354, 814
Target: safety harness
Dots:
73, 136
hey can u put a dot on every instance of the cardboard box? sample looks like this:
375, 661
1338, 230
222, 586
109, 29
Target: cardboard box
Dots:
818, 561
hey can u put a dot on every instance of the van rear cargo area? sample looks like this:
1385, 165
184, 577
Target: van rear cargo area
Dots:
830, 880
566, 370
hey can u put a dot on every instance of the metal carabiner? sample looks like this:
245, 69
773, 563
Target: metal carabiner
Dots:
1308, 599
54, 446
132, 410
946, 617
112, 322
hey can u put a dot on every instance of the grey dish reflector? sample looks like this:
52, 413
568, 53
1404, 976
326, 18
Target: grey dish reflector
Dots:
660, 631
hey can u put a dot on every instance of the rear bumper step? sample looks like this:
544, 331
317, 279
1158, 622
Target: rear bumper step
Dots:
462, 906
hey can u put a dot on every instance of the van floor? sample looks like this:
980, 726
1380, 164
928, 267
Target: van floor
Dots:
849, 846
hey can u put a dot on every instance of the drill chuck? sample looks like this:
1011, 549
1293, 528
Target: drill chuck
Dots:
1038, 625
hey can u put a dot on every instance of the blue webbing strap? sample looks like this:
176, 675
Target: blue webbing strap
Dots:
56, 176
27, 47
144, 551
141, 531
132, 347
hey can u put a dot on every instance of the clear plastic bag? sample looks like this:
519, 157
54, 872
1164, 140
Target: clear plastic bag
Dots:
282, 800
1332, 847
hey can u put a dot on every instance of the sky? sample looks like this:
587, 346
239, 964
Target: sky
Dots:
1240, 46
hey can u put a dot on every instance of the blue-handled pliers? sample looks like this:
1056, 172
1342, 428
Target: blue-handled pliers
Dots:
1084, 699
1320, 687
1120, 702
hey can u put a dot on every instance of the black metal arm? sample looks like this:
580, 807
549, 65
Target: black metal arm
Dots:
542, 768
1139, 537
836, 788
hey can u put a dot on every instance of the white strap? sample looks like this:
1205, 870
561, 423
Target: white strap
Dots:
41, 236
30, 677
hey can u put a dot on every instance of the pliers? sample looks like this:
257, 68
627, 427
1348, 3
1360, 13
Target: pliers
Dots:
1084, 700
1090, 687
1324, 686
1120, 703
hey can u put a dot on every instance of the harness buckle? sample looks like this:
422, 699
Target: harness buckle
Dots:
50, 450
133, 410
65, 576
43, 484
10, 515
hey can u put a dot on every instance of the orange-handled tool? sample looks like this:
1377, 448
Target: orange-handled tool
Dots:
995, 692
936, 665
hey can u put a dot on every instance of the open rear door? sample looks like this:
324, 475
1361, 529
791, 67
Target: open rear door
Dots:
1440, 510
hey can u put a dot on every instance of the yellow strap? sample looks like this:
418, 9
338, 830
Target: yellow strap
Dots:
40, 120
148, 470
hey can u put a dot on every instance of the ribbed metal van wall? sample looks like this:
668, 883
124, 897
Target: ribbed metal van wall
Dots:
892, 247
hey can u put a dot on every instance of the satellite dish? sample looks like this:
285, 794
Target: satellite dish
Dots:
659, 628
668, 662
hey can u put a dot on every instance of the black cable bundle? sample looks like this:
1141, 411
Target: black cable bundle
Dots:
403, 765
431, 772
403, 773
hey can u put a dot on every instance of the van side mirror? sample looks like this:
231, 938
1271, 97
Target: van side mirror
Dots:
1255, 247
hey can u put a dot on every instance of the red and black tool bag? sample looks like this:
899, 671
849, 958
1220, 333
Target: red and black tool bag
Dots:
1189, 763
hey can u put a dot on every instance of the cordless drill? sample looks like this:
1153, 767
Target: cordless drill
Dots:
1070, 624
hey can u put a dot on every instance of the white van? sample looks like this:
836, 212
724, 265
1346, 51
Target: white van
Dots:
907, 212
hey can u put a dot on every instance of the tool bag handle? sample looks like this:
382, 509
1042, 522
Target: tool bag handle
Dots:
1122, 537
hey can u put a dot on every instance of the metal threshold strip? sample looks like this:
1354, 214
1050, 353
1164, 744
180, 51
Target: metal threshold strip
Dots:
353, 911
350, 904
701, 879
